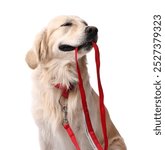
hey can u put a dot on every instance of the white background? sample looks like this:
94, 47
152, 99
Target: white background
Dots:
125, 41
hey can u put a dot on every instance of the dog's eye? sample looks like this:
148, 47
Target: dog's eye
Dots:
66, 24
84, 23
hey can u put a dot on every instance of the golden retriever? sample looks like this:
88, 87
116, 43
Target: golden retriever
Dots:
53, 59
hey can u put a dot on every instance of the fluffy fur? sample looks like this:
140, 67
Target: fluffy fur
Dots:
52, 66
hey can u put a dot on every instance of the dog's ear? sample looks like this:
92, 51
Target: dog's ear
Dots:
31, 59
39, 52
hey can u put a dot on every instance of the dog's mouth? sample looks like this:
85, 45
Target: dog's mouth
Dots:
91, 36
65, 47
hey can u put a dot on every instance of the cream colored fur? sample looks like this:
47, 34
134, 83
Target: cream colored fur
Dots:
52, 66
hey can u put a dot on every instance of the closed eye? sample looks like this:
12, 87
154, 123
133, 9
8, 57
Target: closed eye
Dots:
84, 23
66, 24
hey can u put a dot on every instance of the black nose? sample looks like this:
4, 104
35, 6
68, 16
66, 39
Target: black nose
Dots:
91, 30
91, 33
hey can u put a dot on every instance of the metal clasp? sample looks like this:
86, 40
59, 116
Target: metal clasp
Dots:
65, 115
64, 109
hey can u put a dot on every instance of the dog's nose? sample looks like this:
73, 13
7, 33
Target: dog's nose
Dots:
91, 33
91, 30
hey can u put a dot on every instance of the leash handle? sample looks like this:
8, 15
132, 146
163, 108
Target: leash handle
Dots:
84, 105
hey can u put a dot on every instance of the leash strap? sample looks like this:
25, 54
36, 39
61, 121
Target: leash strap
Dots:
71, 135
65, 93
101, 96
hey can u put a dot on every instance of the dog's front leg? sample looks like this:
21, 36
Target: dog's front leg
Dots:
117, 144
115, 141
44, 145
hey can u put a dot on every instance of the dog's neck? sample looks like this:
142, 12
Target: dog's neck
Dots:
63, 72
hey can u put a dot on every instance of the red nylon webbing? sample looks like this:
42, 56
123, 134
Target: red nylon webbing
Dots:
85, 107
71, 135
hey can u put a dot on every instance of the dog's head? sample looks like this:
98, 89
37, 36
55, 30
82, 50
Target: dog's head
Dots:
59, 40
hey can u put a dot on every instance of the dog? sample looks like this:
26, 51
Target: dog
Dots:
53, 59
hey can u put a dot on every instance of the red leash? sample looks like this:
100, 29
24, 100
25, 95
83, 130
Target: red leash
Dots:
101, 98
71, 135
65, 93
85, 107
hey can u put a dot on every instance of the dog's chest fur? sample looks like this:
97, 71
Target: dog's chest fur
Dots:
48, 116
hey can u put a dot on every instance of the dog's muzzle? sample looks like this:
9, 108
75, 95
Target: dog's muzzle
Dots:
91, 36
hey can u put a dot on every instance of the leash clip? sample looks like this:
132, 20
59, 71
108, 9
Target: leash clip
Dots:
64, 109
65, 114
